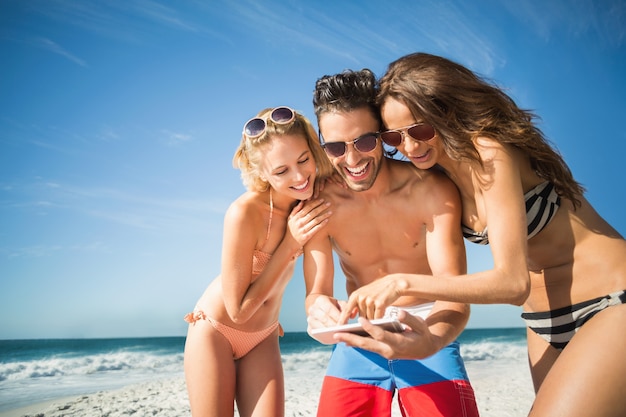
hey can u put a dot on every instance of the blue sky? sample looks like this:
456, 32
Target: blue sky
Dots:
118, 122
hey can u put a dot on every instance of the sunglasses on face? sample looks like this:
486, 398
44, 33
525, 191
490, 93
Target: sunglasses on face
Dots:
364, 143
256, 127
420, 132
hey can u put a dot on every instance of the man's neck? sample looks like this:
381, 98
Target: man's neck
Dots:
382, 184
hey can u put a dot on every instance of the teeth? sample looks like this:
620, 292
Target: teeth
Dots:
358, 170
420, 156
301, 187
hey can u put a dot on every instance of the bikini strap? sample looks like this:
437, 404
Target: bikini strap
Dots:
269, 225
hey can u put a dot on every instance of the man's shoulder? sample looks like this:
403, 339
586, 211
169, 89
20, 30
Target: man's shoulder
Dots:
335, 191
406, 171
433, 183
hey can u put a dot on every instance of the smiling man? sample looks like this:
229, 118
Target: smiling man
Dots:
387, 217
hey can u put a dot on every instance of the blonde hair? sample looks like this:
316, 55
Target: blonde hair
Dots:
249, 154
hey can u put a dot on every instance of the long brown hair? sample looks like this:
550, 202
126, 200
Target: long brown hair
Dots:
463, 106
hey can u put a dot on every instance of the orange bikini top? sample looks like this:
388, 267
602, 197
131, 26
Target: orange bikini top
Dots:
260, 258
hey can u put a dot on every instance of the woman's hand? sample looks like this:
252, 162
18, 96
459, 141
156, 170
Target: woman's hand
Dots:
307, 218
334, 178
371, 300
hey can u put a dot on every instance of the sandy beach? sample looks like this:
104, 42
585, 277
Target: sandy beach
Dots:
503, 389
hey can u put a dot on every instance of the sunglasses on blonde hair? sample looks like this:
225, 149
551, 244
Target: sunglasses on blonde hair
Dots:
420, 132
256, 126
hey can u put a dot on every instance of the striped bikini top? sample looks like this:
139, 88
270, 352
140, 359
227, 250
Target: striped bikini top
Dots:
542, 203
260, 258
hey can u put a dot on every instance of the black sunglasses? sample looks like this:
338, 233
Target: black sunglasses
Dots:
364, 143
255, 127
419, 132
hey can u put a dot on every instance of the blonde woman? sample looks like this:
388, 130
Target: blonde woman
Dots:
232, 352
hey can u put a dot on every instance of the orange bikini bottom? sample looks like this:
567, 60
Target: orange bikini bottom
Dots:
240, 341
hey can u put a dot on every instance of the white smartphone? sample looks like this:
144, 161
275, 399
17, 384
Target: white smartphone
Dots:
325, 334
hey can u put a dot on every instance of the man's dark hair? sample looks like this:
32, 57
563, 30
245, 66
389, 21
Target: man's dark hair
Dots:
346, 91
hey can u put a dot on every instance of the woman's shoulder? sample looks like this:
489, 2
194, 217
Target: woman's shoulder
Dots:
492, 151
246, 206
489, 148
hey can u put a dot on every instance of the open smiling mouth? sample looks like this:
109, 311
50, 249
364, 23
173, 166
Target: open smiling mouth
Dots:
301, 187
359, 171
421, 156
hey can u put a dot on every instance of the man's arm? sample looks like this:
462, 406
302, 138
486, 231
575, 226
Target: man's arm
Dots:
322, 309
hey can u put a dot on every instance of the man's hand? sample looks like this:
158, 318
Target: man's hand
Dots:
416, 342
324, 312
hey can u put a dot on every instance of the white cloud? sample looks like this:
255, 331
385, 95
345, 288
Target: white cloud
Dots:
55, 48
126, 21
373, 35
176, 139
161, 14
37, 251
575, 18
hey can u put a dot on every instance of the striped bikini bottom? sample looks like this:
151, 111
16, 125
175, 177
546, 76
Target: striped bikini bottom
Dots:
558, 326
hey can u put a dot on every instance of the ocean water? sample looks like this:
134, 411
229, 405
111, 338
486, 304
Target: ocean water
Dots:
33, 371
